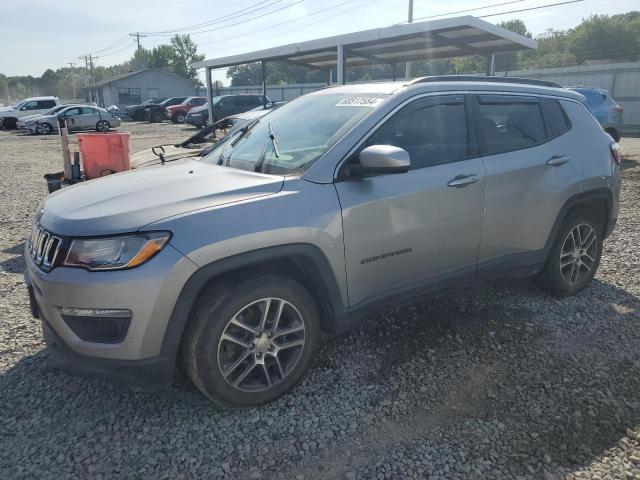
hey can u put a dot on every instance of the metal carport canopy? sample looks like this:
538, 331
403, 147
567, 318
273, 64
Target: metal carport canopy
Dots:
445, 38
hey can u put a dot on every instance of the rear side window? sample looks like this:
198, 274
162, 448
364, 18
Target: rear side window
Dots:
433, 130
46, 103
557, 120
510, 123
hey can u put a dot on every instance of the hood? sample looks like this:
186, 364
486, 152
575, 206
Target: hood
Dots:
199, 109
127, 201
6, 109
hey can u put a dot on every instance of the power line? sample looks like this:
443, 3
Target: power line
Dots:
237, 23
229, 16
310, 14
306, 25
117, 51
469, 10
111, 46
531, 8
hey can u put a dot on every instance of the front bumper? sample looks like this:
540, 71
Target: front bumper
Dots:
149, 292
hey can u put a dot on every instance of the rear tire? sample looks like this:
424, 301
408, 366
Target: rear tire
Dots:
238, 356
103, 126
574, 256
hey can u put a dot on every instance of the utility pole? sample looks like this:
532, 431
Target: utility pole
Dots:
73, 82
137, 35
407, 67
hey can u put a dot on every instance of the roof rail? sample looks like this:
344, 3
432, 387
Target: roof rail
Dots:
482, 78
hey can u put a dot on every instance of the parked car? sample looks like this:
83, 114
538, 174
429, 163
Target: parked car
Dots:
224, 106
338, 203
178, 113
604, 108
197, 145
78, 117
157, 112
136, 112
9, 116
22, 122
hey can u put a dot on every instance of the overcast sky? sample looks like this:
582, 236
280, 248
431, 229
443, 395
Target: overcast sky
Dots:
41, 34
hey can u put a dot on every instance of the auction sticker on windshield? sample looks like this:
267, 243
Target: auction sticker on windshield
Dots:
359, 102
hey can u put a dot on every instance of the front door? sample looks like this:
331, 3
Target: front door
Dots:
407, 230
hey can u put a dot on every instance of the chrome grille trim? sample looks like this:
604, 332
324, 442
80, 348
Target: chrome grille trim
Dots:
44, 247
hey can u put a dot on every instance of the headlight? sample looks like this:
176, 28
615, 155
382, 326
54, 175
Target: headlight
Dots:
117, 252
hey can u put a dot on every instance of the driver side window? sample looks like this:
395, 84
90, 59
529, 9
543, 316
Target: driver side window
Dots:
433, 130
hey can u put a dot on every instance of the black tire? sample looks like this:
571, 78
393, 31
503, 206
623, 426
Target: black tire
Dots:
9, 123
614, 134
156, 117
138, 116
202, 345
553, 278
102, 126
179, 118
45, 129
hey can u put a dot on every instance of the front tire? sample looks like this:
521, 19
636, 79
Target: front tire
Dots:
156, 117
179, 118
613, 133
44, 129
574, 256
251, 342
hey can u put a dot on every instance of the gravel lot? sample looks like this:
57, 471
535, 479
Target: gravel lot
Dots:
499, 381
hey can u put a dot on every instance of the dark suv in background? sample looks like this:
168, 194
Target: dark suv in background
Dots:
157, 112
136, 112
223, 106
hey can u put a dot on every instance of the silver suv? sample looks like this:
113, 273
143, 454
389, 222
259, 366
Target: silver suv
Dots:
340, 202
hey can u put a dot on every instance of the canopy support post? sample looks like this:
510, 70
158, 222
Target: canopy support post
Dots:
264, 84
491, 64
340, 65
207, 72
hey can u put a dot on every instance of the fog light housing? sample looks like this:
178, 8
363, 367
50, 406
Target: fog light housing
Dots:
96, 324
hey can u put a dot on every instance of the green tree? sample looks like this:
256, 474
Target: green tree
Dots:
185, 52
48, 82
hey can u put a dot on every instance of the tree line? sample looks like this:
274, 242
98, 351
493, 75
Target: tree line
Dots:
176, 57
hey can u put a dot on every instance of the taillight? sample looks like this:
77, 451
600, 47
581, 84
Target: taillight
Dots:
618, 109
616, 155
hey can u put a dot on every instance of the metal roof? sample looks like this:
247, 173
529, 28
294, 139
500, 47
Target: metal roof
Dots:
445, 38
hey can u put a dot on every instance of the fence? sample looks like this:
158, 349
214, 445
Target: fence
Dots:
277, 93
621, 80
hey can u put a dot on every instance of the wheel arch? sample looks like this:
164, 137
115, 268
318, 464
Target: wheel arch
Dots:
598, 201
304, 263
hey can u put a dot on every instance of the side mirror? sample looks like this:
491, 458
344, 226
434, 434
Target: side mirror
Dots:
378, 159
22, 109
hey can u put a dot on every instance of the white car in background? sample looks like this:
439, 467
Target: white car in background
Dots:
78, 117
9, 116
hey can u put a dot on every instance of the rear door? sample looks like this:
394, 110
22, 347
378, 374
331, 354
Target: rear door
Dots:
406, 230
530, 173
88, 118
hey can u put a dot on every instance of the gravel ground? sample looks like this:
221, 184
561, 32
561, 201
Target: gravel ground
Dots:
499, 381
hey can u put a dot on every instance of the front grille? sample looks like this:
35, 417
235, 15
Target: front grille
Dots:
44, 247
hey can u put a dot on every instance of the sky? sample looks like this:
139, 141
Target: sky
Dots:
41, 34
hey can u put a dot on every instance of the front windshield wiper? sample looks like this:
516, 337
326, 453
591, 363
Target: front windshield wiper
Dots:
274, 140
243, 131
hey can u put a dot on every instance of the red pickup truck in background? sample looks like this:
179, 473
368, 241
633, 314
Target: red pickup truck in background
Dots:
178, 113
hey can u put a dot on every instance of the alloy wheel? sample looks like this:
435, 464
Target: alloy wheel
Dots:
261, 345
578, 253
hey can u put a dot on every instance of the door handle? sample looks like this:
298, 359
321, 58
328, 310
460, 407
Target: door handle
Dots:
463, 180
558, 160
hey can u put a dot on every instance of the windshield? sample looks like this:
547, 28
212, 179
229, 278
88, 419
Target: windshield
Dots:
290, 139
53, 110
